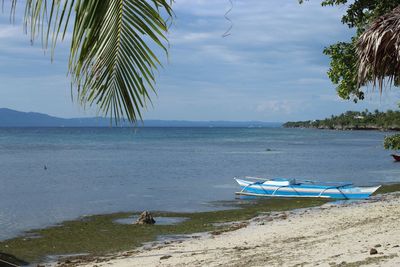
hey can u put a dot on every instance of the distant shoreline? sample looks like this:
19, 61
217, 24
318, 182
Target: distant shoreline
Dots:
11, 118
353, 120
345, 128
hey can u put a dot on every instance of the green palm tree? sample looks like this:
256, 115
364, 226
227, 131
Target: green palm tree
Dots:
112, 58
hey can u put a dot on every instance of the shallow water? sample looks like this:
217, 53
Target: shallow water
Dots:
158, 220
102, 170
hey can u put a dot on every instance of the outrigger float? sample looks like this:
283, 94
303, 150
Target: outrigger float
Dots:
283, 187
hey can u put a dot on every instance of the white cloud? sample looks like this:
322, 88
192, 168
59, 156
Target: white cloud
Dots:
191, 37
278, 106
202, 8
222, 52
6, 32
10, 32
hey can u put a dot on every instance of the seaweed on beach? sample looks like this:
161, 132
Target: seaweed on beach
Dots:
98, 235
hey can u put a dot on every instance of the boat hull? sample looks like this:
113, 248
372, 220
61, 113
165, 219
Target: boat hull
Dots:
396, 157
305, 190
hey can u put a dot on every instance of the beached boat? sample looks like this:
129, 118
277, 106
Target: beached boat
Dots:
396, 157
282, 187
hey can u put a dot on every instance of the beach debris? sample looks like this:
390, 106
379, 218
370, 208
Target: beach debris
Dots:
128, 253
241, 248
145, 218
378, 246
232, 227
165, 257
282, 216
373, 251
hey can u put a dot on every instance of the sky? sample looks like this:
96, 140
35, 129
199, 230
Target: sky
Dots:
269, 68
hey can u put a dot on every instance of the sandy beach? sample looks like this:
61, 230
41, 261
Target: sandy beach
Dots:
334, 234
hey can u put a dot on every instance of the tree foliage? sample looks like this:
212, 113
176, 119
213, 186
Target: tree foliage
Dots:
112, 58
354, 120
392, 142
343, 66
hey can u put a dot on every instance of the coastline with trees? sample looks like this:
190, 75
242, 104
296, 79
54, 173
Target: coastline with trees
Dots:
116, 48
354, 120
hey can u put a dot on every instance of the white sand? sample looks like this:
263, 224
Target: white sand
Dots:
325, 236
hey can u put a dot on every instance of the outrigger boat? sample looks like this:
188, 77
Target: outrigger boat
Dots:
282, 187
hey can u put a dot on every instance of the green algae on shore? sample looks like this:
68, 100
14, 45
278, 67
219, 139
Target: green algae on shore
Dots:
100, 234
388, 188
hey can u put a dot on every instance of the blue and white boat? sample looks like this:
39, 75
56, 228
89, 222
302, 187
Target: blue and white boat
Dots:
283, 187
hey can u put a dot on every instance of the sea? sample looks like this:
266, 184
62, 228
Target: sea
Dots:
49, 175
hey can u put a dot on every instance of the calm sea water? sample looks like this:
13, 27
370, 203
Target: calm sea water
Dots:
102, 170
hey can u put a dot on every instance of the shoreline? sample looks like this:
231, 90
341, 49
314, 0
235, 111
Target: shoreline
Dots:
341, 128
99, 235
91, 235
334, 234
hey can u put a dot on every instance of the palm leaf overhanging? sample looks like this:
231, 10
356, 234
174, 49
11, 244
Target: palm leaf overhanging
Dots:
111, 62
378, 51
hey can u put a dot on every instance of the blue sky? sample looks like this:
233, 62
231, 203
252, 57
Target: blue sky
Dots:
270, 67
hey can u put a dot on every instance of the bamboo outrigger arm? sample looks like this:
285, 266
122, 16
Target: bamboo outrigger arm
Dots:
334, 187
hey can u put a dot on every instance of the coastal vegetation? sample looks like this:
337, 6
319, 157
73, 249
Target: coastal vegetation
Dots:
368, 58
354, 120
392, 142
349, 68
358, 120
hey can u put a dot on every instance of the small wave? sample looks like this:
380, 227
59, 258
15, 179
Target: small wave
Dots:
225, 186
254, 152
388, 171
100, 201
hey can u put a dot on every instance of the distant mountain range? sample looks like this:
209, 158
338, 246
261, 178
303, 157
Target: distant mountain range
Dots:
13, 118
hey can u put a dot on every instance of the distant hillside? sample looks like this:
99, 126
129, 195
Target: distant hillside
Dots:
354, 120
13, 118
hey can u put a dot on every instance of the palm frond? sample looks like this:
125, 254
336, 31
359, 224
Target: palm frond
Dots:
112, 61
378, 52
